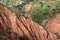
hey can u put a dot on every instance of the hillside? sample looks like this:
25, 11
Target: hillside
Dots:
29, 19
16, 27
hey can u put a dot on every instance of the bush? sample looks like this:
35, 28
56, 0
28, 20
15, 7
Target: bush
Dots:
24, 37
39, 14
42, 12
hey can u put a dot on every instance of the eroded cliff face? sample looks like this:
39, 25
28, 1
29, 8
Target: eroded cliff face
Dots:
13, 26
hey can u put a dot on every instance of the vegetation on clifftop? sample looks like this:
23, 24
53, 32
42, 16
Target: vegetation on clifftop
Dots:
43, 10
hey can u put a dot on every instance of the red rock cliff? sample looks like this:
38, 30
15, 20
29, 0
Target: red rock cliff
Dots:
13, 26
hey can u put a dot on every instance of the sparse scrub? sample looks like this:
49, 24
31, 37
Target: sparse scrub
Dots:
38, 14
24, 37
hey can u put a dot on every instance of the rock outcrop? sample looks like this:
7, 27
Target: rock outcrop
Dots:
13, 26
54, 24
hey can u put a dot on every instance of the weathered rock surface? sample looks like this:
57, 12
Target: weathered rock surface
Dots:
54, 24
12, 26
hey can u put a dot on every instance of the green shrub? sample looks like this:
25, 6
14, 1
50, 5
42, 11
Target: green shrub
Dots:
24, 37
40, 13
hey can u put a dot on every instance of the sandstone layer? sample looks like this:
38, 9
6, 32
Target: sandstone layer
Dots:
13, 26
